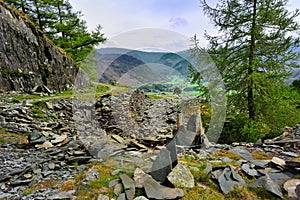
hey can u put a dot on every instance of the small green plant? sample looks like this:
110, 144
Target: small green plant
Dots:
2, 140
27, 191
76, 165
101, 88
53, 115
189, 157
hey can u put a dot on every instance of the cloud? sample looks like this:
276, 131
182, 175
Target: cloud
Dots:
150, 39
178, 22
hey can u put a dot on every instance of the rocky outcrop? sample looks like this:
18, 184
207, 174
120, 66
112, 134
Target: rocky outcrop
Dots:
43, 141
28, 59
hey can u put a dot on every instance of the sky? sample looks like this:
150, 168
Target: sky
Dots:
143, 20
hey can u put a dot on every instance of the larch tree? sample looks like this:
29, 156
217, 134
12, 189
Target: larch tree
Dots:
254, 50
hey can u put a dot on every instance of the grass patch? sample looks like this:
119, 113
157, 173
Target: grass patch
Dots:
2, 140
101, 88
21, 97
199, 193
297, 159
250, 193
92, 189
12, 138
222, 153
260, 155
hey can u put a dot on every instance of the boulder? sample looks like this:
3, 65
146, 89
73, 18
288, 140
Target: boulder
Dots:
181, 177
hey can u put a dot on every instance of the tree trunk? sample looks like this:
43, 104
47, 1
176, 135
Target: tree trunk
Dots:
250, 98
39, 17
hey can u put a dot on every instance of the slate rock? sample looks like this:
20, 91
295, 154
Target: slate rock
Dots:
208, 168
103, 197
181, 177
116, 171
118, 189
92, 175
260, 163
194, 123
140, 198
267, 183
205, 143
58, 138
171, 147
184, 137
51, 165
229, 179
2, 120
122, 196
114, 182
162, 165
243, 153
290, 186
34, 135
129, 186
61, 195
280, 178
249, 170
291, 154
45, 144
298, 191
278, 162
156, 191
138, 176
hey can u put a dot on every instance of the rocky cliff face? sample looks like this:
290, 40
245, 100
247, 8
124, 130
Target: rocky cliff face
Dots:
28, 59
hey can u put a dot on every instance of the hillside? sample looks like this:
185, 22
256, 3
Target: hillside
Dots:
29, 61
109, 57
113, 59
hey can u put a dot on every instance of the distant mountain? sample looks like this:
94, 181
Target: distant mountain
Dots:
142, 67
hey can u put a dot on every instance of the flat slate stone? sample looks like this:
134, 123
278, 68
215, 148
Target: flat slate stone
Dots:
162, 165
129, 186
229, 179
185, 137
122, 196
114, 182
171, 147
140, 198
156, 191
267, 183
243, 153
290, 186
249, 170
280, 178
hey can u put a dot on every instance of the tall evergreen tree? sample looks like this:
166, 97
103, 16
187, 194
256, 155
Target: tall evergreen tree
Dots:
253, 49
62, 25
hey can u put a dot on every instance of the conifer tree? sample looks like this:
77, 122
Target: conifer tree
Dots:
62, 25
253, 48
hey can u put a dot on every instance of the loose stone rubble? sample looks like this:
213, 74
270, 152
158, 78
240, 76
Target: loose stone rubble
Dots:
58, 138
